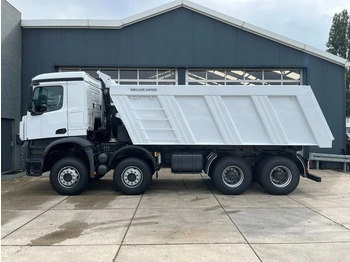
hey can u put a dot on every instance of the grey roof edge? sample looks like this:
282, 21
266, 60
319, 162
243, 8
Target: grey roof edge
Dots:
118, 24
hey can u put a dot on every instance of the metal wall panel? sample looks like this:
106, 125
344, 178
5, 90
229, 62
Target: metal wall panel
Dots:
6, 144
138, 44
225, 45
204, 37
161, 44
71, 48
183, 38
94, 52
112, 47
270, 53
333, 77
11, 60
291, 57
248, 49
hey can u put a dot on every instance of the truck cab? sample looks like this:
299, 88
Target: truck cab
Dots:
63, 110
63, 105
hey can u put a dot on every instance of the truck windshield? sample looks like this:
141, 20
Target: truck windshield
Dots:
47, 98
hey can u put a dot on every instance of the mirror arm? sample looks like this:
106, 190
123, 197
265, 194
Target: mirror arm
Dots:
30, 95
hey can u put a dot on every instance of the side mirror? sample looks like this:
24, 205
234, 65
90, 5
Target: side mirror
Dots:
37, 110
33, 113
30, 105
30, 102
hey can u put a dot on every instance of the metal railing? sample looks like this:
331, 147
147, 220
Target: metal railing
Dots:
345, 159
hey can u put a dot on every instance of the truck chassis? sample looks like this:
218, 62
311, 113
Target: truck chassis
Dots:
72, 162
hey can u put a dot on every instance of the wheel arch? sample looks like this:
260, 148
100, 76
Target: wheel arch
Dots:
70, 146
213, 159
300, 162
133, 151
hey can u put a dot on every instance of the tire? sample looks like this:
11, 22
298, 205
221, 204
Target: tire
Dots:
132, 176
279, 176
232, 176
69, 176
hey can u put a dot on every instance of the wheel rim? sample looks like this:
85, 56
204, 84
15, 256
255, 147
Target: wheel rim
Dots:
132, 177
68, 177
281, 176
233, 176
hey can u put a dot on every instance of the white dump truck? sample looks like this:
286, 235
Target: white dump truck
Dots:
79, 128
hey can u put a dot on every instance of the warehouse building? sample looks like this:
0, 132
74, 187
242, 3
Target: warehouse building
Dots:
184, 43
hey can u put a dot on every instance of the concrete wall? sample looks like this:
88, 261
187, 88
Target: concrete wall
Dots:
11, 61
183, 39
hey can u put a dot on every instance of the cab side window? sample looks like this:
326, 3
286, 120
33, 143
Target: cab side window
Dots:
47, 98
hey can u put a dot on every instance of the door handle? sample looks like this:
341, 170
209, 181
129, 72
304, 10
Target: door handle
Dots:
61, 131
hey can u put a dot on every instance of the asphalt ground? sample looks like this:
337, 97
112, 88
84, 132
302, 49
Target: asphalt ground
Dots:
179, 218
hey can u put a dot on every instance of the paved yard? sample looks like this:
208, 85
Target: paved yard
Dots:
180, 218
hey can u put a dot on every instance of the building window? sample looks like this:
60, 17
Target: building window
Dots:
243, 77
131, 76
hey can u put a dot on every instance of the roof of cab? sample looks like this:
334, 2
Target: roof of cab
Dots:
64, 76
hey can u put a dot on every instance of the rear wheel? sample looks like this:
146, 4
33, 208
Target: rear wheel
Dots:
132, 176
69, 176
279, 176
232, 176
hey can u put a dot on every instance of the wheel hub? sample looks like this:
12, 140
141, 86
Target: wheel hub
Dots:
233, 176
132, 177
281, 176
68, 177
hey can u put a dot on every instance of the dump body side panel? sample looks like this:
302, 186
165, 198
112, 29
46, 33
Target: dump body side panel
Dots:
222, 115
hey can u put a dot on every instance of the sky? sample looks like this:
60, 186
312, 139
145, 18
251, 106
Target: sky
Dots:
306, 21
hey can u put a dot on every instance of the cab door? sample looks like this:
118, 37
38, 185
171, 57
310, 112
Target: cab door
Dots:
48, 114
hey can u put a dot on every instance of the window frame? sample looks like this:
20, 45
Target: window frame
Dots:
245, 76
131, 81
47, 87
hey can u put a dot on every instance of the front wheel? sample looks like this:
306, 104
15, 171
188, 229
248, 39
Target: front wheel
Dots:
69, 176
232, 176
279, 175
132, 176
